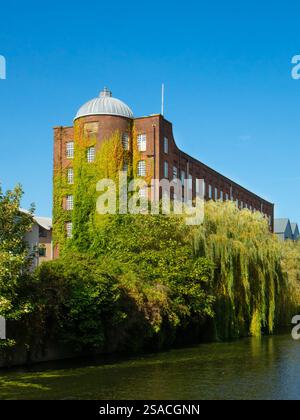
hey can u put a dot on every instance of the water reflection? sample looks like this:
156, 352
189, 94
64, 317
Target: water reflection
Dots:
245, 369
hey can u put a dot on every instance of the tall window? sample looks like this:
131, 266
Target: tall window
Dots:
91, 154
125, 141
166, 170
210, 192
199, 183
190, 182
227, 196
42, 232
182, 177
175, 172
69, 229
70, 202
166, 145
216, 194
42, 251
221, 196
142, 142
70, 150
70, 176
141, 168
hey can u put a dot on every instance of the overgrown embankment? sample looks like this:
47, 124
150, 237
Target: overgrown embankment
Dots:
148, 282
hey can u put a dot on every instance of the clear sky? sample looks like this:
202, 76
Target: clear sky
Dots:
226, 66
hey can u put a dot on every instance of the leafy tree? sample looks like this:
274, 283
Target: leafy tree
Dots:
14, 260
251, 291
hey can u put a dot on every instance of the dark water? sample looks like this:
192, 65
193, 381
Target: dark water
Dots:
247, 369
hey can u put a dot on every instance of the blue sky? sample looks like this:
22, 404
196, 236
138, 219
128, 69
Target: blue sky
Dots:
226, 67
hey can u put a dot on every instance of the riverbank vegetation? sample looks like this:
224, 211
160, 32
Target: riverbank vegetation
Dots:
149, 282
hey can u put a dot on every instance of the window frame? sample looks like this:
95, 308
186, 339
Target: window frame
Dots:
141, 165
182, 177
70, 202
216, 193
70, 149
142, 142
70, 178
90, 157
125, 141
175, 172
69, 230
166, 169
166, 145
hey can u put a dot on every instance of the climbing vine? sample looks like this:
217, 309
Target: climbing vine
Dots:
110, 158
247, 277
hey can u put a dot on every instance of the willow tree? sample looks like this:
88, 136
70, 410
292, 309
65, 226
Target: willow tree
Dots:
247, 277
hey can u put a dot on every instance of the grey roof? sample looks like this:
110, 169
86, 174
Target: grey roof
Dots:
294, 226
105, 104
44, 222
280, 225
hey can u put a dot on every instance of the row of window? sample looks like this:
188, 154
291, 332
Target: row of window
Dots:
214, 193
92, 130
241, 204
91, 152
141, 143
141, 171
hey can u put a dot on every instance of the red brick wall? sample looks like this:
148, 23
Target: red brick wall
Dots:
62, 135
157, 128
198, 170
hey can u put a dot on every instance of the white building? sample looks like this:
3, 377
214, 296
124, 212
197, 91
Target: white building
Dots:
39, 240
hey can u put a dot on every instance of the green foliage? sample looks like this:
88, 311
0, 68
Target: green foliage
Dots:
14, 260
84, 301
248, 282
109, 160
159, 249
128, 282
141, 284
145, 280
162, 276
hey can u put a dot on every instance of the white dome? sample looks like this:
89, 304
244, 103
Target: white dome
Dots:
105, 104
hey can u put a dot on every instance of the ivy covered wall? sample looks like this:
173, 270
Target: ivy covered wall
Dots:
110, 159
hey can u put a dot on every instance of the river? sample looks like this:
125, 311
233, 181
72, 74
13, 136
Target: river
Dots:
267, 368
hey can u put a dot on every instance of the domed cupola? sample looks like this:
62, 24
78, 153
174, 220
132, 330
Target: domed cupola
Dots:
105, 104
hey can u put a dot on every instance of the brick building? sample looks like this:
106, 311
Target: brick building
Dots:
105, 115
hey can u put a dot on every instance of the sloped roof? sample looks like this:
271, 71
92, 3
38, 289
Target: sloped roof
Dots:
280, 225
294, 226
44, 222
